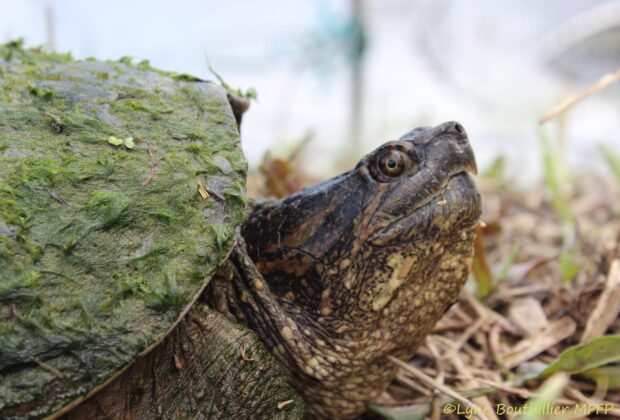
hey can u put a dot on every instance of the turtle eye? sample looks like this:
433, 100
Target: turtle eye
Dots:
392, 162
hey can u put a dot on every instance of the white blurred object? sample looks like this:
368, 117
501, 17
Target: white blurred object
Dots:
586, 45
488, 64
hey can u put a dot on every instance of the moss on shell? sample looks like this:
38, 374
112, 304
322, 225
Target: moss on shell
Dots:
101, 246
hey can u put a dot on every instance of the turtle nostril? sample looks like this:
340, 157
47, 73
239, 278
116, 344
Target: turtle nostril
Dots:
459, 128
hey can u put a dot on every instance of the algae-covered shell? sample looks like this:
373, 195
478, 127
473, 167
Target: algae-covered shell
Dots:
120, 190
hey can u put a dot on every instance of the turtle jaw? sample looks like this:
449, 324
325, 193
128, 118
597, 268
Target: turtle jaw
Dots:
419, 261
457, 207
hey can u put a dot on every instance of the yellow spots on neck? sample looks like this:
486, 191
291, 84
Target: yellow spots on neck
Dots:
451, 263
381, 301
245, 297
286, 332
349, 280
342, 328
406, 266
313, 367
325, 305
401, 266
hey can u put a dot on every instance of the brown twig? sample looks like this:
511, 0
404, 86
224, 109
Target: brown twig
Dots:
577, 395
421, 376
523, 393
601, 84
51, 369
215, 194
533, 345
413, 385
154, 163
607, 307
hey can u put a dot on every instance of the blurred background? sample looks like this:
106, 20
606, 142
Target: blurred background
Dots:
343, 76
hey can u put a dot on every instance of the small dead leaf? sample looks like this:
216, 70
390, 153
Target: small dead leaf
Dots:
57, 197
14, 313
528, 315
57, 124
178, 136
203, 191
519, 271
149, 178
283, 404
244, 356
177, 362
491, 227
154, 163
125, 95
281, 178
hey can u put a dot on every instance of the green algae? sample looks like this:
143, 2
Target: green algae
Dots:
102, 246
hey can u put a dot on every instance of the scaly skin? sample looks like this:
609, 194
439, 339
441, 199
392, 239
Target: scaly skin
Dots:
338, 276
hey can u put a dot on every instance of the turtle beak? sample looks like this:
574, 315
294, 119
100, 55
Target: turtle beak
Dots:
459, 154
470, 161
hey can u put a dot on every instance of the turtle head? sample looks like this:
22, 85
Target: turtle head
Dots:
373, 258
416, 235
358, 241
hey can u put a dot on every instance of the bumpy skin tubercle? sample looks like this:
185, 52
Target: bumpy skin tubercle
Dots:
340, 275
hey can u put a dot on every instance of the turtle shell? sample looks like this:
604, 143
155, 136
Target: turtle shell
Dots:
121, 188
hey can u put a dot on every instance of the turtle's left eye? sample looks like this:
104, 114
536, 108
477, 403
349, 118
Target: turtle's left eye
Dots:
392, 162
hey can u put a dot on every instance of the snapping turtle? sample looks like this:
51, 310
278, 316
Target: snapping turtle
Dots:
123, 222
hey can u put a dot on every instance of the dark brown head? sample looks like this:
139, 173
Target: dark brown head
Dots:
406, 204
370, 260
